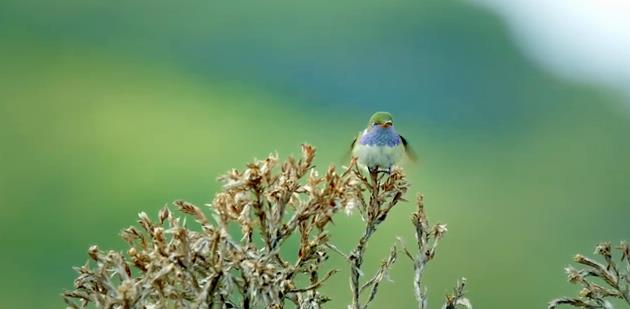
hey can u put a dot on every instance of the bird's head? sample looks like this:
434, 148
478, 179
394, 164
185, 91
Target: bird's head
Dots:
382, 119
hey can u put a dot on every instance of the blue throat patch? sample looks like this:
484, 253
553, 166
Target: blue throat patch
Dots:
379, 136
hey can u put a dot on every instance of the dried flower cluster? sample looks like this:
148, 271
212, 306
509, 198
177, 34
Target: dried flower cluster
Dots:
234, 259
600, 281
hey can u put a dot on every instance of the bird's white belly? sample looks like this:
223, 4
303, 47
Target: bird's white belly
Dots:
378, 156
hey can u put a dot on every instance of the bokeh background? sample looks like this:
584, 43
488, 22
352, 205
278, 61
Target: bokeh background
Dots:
109, 108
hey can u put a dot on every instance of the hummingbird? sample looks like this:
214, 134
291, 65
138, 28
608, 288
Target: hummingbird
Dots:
379, 146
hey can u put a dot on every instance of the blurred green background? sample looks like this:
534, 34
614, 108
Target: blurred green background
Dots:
112, 108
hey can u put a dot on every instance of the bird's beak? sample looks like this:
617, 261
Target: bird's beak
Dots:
387, 124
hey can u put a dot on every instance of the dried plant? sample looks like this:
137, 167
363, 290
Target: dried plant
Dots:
427, 239
458, 297
600, 281
383, 195
234, 259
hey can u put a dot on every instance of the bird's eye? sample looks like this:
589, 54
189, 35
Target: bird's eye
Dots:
374, 124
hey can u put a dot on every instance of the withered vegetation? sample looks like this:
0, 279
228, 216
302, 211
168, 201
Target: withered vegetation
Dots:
233, 258
601, 282
428, 238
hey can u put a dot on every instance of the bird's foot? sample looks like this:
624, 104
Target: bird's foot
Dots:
377, 169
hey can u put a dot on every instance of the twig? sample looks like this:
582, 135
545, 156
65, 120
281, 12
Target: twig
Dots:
382, 272
316, 284
457, 298
427, 239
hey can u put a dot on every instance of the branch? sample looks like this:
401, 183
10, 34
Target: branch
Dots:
395, 185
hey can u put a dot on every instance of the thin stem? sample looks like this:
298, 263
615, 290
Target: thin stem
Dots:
356, 256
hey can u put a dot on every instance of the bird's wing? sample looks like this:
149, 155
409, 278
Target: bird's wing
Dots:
408, 150
348, 153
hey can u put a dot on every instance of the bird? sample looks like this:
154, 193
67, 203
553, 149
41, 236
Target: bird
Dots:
379, 146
